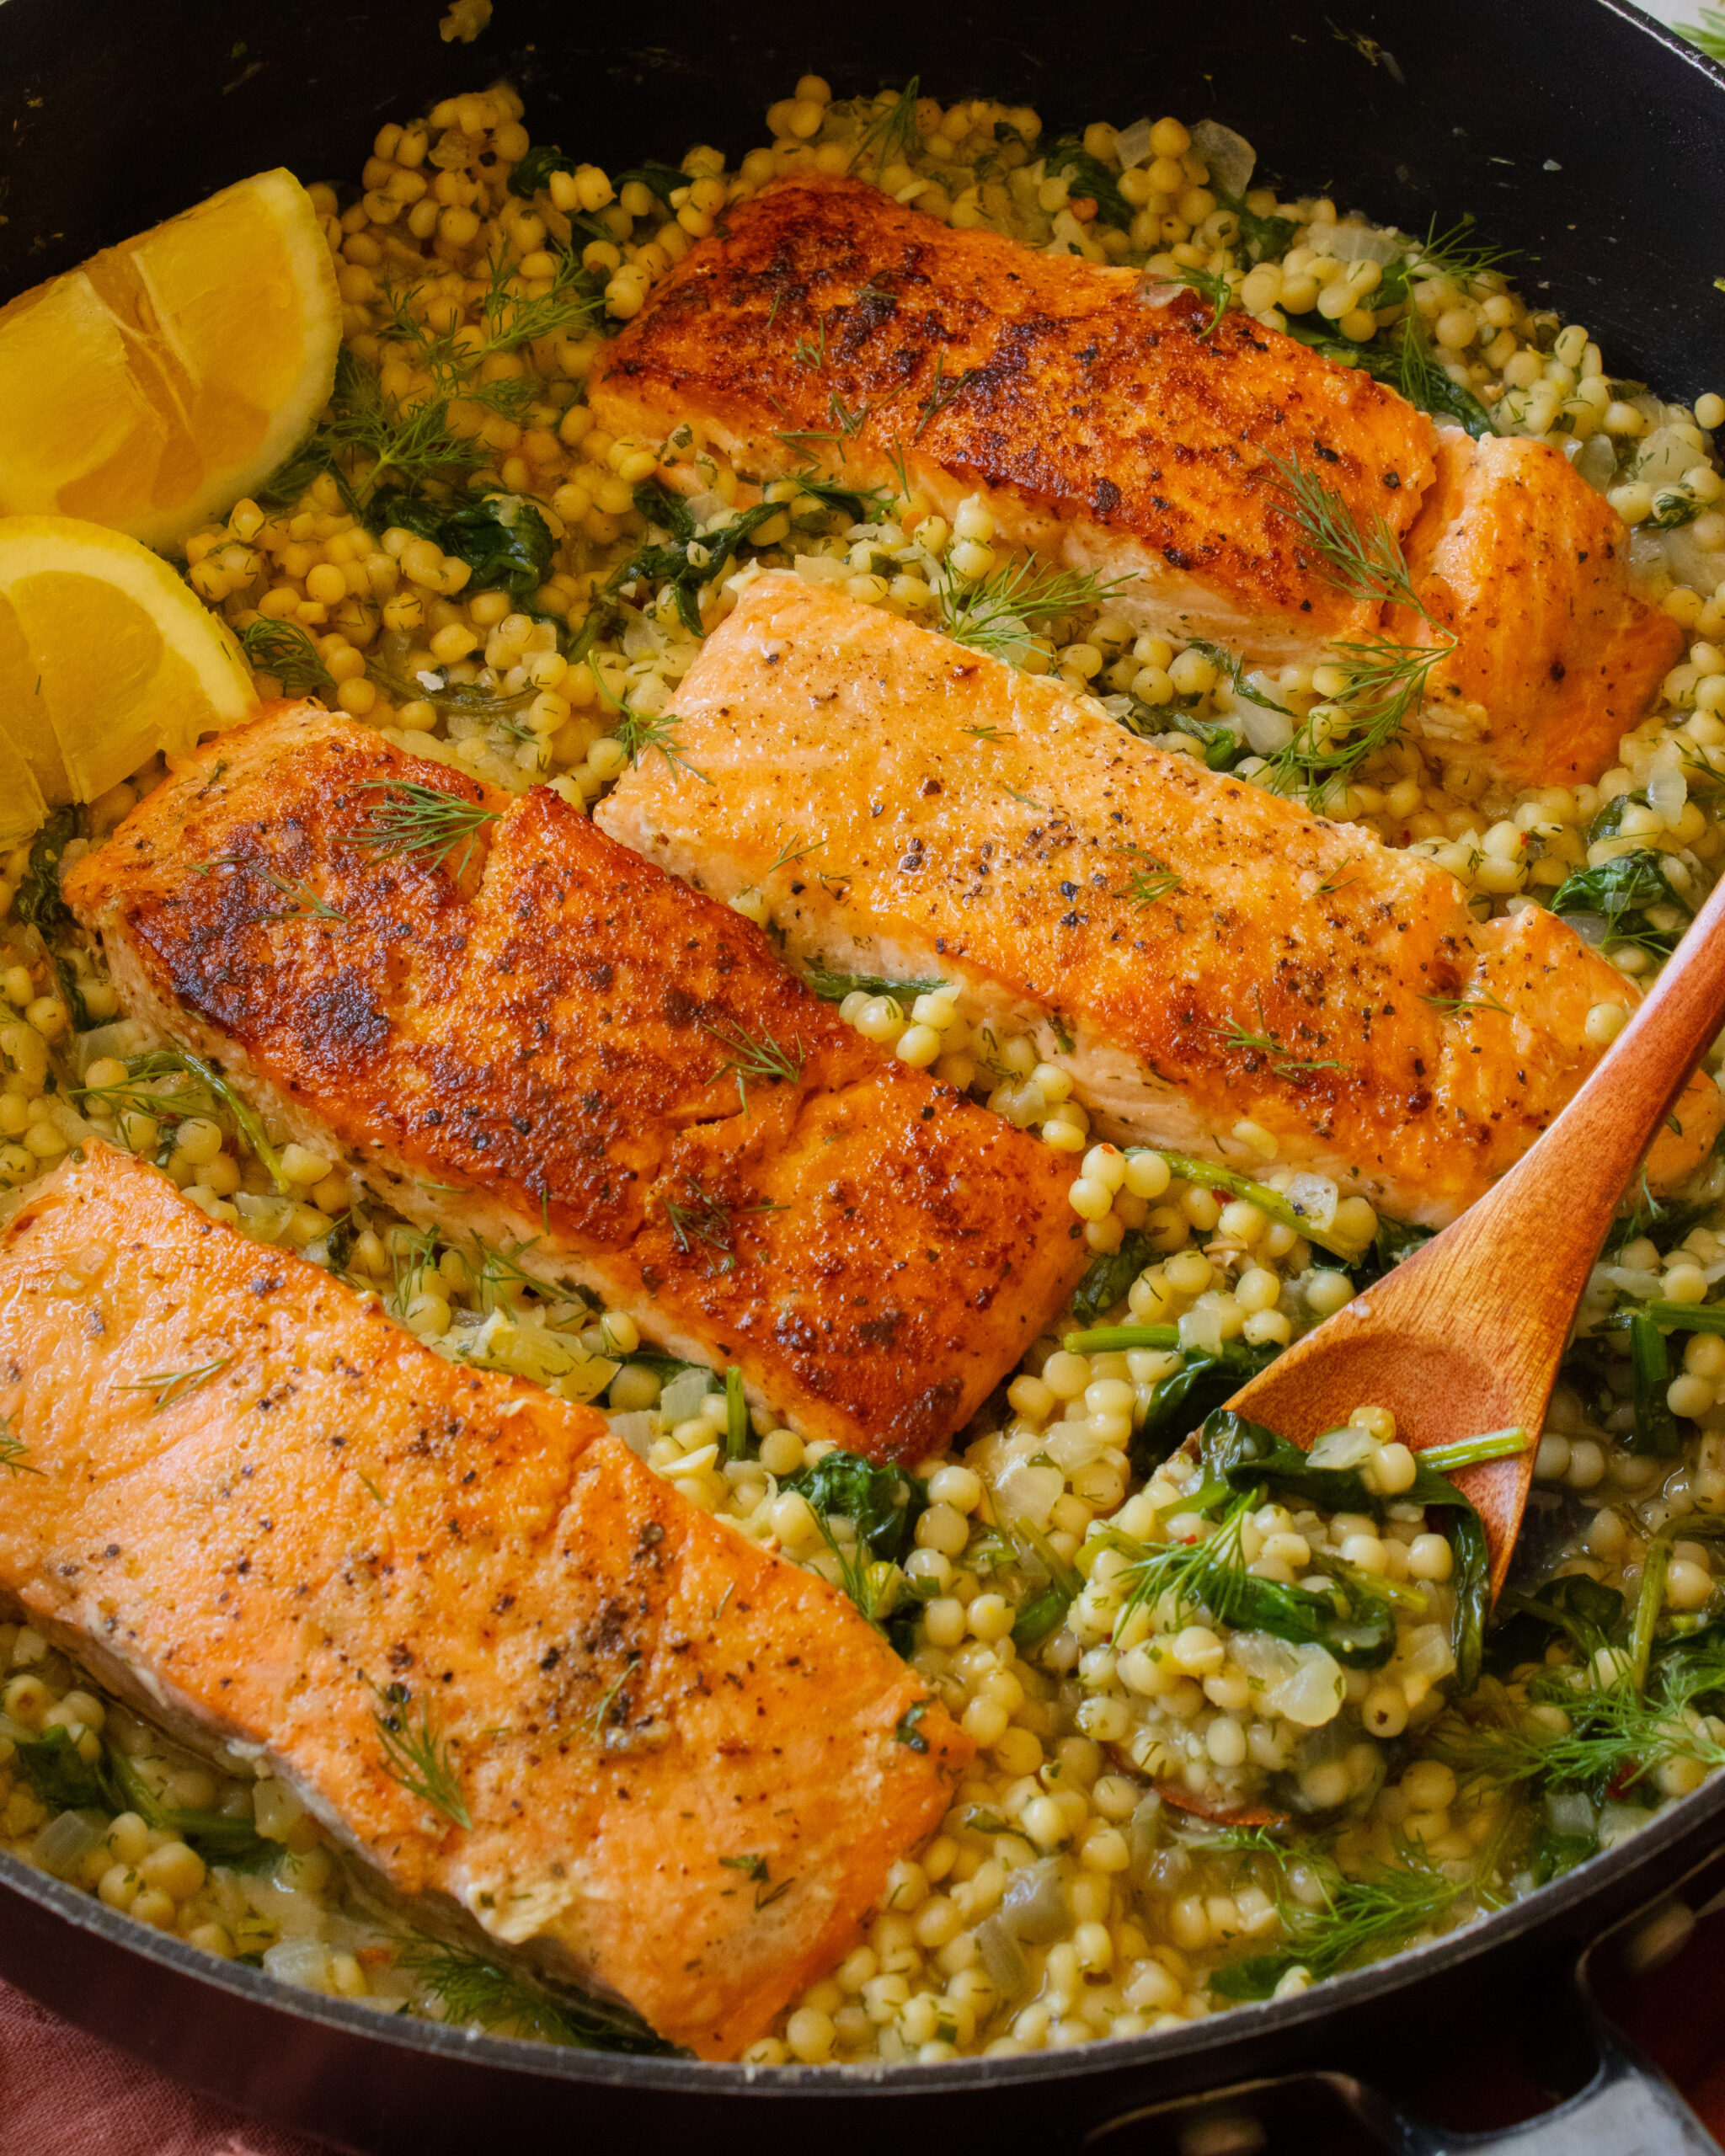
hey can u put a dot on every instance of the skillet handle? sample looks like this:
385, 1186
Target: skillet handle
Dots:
1628, 2109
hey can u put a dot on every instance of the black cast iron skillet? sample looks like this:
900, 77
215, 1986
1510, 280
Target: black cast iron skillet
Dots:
1578, 134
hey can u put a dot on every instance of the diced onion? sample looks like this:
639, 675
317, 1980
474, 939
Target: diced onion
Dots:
1133, 145
1027, 1493
682, 1397
1034, 1906
1314, 1199
637, 1431
1303, 1682
64, 1842
1230, 157
301, 1961
999, 1956
1668, 789
1265, 731
1362, 243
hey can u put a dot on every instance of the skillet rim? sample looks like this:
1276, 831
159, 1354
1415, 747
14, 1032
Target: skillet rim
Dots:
1601, 1880
1571, 1896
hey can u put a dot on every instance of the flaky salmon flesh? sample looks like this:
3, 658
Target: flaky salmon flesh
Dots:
530, 1035
1197, 952
827, 327
679, 1767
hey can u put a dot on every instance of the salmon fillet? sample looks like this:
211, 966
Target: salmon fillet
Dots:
1195, 950
1528, 568
544, 1041
1102, 428
626, 1692
826, 325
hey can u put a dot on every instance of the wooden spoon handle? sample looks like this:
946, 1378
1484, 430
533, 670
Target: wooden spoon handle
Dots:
1605, 1129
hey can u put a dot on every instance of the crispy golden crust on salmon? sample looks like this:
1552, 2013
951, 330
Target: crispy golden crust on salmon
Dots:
544, 1039
1195, 950
1106, 427
626, 1692
1528, 568
829, 323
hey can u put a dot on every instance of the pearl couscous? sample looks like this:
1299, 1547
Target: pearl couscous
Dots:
1175, 1803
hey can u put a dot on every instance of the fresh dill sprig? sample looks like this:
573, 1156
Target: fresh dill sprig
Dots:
303, 900
13, 1451
1264, 1043
812, 356
170, 1385
1613, 1736
640, 735
444, 695
767, 1060
417, 1758
366, 441
846, 425
493, 1268
998, 614
283, 650
1229, 664
939, 396
706, 1218
248, 1121
1454, 1006
411, 1257
1192, 1575
1455, 252
138, 1093
834, 987
1153, 882
423, 824
473, 1991
1708, 34
892, 136
508, 320
871, 1582
1357, 1920
1385, 680
1210, 285
1364, 561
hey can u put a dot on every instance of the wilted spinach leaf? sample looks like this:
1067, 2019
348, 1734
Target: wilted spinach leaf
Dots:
1106, 1278
535, 169
884, 1502
59, 1778
1180, 1402
40, 904
1620, 891
1245, 1454
1087, 175
1394, 1241
503, 538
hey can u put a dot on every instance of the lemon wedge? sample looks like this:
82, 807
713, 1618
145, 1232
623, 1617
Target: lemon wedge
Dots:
151, 388
105, 657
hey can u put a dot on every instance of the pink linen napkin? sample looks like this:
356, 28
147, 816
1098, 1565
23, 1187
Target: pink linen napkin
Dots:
65, 2094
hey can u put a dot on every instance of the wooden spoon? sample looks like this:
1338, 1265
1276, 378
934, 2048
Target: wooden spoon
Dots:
1466, 1335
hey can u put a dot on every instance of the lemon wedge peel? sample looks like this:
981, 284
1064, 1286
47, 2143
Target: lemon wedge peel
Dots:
105, 658
154, 386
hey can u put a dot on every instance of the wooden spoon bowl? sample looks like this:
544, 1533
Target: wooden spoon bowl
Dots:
1466, 1336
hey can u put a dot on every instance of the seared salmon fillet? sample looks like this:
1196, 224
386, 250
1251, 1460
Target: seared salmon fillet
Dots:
1195, 950
829, 324
533, 1035
336, 1523
1102, 428
1528, 568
